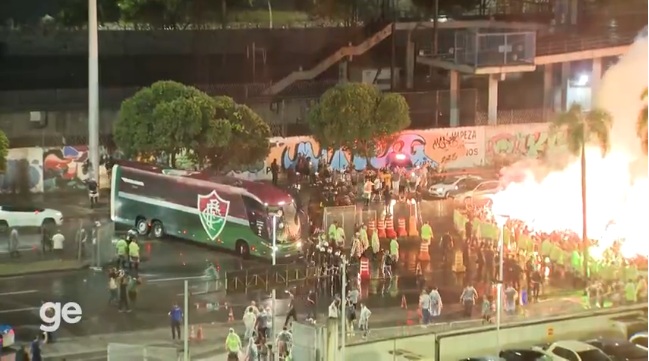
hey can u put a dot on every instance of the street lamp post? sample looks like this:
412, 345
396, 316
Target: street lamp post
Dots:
93, 90
500, 221
343, 299
274, 261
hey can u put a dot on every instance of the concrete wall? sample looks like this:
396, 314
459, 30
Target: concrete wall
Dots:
482, 341
54, 169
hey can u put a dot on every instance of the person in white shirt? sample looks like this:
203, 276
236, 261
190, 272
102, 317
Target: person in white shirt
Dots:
424, 308
334, 310
435, 303
249, 321
364, 320
57, 243
377, 188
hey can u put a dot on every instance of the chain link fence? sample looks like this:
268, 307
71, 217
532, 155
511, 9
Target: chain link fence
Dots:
126, 352
348, 217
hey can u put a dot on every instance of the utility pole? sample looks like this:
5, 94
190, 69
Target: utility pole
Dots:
93, 90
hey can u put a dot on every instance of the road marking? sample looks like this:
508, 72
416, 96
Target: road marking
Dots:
18, 293
16, 310
173, 279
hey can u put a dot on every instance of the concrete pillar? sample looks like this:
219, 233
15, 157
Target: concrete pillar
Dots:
548, 87
565, 78
342, 71
492, 113
410, 64
454, 98
595, 79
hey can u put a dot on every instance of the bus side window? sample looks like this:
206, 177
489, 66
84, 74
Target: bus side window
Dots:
256, 216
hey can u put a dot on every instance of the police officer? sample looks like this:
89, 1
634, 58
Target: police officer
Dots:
122, 251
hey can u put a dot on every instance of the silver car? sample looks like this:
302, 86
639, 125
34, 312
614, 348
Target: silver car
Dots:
452, 185
478, 195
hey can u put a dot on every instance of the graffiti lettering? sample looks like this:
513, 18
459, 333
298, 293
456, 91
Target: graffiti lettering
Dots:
534, 144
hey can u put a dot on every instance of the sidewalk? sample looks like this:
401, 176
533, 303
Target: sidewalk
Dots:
385, 323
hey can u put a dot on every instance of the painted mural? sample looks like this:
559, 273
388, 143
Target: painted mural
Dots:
511, 143
24, 171
62, 168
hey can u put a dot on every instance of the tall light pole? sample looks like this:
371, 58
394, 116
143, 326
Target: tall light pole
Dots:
343, 301
93, 90
501, 220
274, 293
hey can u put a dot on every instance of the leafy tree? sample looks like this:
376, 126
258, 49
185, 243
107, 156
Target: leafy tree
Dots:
641, 126
4, 151
448, 7
74, 13
167, 117
358, 117
582, 129
248, 141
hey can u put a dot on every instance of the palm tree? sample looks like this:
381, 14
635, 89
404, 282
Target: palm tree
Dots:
641, 127
584, 128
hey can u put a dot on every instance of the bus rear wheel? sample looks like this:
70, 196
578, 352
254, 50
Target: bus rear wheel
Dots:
142, 226
157, 229
242, 248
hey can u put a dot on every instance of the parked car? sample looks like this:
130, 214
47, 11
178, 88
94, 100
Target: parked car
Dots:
450, 186
524, 355
478, 195
25, 216
620, 350
639, 339
573, 351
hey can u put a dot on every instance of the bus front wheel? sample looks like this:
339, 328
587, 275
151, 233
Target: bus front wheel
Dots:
242, 249
142, 226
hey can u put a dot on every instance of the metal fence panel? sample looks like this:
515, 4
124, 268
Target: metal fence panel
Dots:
125, 352
103, 241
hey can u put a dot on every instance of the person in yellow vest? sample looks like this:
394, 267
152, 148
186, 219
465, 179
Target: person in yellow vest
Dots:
394, 250
365, 241
630, 292
426, 233
134, 255
122, 252
642, 289
376, 244
331, 232
233, 345
340, 237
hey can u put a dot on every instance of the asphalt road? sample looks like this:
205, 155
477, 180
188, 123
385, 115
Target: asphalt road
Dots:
170, 262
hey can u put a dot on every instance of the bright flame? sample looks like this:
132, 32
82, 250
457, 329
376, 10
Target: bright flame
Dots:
617, 187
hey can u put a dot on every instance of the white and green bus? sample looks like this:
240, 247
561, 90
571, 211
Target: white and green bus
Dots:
221, 211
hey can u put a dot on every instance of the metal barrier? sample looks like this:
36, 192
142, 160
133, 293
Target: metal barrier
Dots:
348, 217
125, 352
308, 342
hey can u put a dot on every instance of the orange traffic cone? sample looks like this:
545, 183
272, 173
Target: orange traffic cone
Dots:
371, 228
380, 227
389, 227
199, 333
230, 315
192, 333
404, 304
401, 228
412, 227
423, 252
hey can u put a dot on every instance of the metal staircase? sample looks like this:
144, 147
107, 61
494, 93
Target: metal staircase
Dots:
321, 67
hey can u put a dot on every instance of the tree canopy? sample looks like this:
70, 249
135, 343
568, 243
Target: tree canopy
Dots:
585, 127
170, 118
447, 7
358, 117
4, 151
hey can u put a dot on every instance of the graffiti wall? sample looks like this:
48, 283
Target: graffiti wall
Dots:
24, 171
62, 168
514, 142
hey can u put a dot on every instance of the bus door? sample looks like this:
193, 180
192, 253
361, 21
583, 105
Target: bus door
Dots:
257, 216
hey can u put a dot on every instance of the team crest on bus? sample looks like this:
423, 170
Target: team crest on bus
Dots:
213, 211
